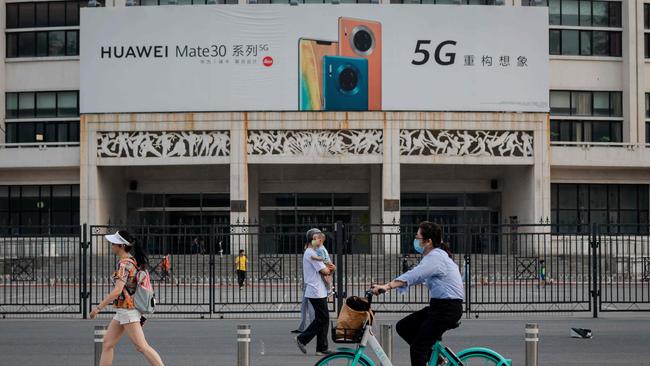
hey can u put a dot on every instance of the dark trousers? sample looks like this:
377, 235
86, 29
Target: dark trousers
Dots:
241, 277
423, 328
319, 326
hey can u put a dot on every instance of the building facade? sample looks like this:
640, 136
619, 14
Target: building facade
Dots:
586, 162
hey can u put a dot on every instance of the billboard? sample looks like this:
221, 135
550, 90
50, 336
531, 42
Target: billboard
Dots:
314, 57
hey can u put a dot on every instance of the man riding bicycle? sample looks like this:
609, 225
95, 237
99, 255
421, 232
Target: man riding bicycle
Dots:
442, 276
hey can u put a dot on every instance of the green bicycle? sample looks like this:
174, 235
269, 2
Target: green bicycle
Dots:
441, 354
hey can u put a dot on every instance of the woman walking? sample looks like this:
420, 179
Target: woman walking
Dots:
127, 319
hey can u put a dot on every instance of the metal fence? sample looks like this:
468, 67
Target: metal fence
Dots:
505, 268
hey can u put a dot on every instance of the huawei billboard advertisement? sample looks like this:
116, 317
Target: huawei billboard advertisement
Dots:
314, 58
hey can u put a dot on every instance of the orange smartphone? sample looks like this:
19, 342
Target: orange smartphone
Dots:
362, 38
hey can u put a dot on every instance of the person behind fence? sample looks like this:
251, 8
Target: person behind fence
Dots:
317, 295
322, 255
131, 257
240, 265
442, 276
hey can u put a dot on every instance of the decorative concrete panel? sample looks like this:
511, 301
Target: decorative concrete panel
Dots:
315, 143
466, 143
161, 144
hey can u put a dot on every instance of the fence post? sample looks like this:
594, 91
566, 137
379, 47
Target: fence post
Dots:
340, 255
100, 332
594, 243
532, 341
84, 243
386, 334
243, 345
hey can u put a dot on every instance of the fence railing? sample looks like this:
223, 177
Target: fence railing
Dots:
505, 268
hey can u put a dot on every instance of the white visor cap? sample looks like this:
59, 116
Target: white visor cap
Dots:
117, 239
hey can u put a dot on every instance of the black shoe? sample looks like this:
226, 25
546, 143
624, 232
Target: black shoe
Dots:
296, 331
301, 346
324, 353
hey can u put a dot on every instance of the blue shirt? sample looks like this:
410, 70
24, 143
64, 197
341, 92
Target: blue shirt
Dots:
324, 254
439, 272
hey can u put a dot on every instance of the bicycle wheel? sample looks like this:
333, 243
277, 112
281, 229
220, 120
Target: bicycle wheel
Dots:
480, 358
341, 359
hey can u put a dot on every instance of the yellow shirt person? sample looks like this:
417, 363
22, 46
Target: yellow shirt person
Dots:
240, 265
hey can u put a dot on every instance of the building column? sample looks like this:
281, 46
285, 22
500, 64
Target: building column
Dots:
630, 77
240, 238
542, 172
639, 31
391, 185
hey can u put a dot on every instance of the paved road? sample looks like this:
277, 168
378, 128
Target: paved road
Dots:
618, 340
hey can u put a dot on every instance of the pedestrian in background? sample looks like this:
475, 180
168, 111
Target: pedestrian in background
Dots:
306, 310
240, 266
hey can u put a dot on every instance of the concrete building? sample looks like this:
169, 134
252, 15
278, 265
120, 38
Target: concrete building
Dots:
587, 162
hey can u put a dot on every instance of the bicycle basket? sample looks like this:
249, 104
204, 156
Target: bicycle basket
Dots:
344, 335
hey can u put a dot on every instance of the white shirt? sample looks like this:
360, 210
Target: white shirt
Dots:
314, 285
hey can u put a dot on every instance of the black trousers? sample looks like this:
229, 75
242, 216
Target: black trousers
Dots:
319, 326
241, 277
423, 328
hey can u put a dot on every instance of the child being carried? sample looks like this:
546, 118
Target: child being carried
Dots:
322, 255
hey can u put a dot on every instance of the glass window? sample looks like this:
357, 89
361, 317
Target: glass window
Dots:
585, 43
600, 132
629, 197
62, 132
57, 13
12, 45
615, 46
554, 12
12, 15
560, 102
570, 42
41, 44
72, 13
26, 44
26, 14
568, 196
26, 105
581, 103
67, 104
11, 134
616, 104
601, 16
585, 13
71, 43
554, 44
570, 12
646, 16
26, 132
11, 103
50, 132
601, 43
601, 104
73, 128
598, 196
41, 14
56, 43
46, 104
615, 19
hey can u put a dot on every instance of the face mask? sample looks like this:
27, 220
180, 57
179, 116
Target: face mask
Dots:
417, 246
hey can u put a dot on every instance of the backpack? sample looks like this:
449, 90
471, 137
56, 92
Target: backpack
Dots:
143, 298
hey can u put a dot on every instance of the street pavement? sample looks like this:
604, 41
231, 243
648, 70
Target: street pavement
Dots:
618, 339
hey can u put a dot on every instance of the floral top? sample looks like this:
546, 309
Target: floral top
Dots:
126, 272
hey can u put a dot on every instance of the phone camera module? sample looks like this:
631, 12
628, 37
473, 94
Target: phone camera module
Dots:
348, 79
362, 40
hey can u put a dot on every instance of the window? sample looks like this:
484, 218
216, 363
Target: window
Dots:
42, 104
34, 132
582, 106
646, 27
583, 13
44, 14
576, 206
183, 2
647, 116
586, 103
42, 44
39, 209
452, 2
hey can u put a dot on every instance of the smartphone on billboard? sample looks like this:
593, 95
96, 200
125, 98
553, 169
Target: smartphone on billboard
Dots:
362, 38
345, 85
310, 71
